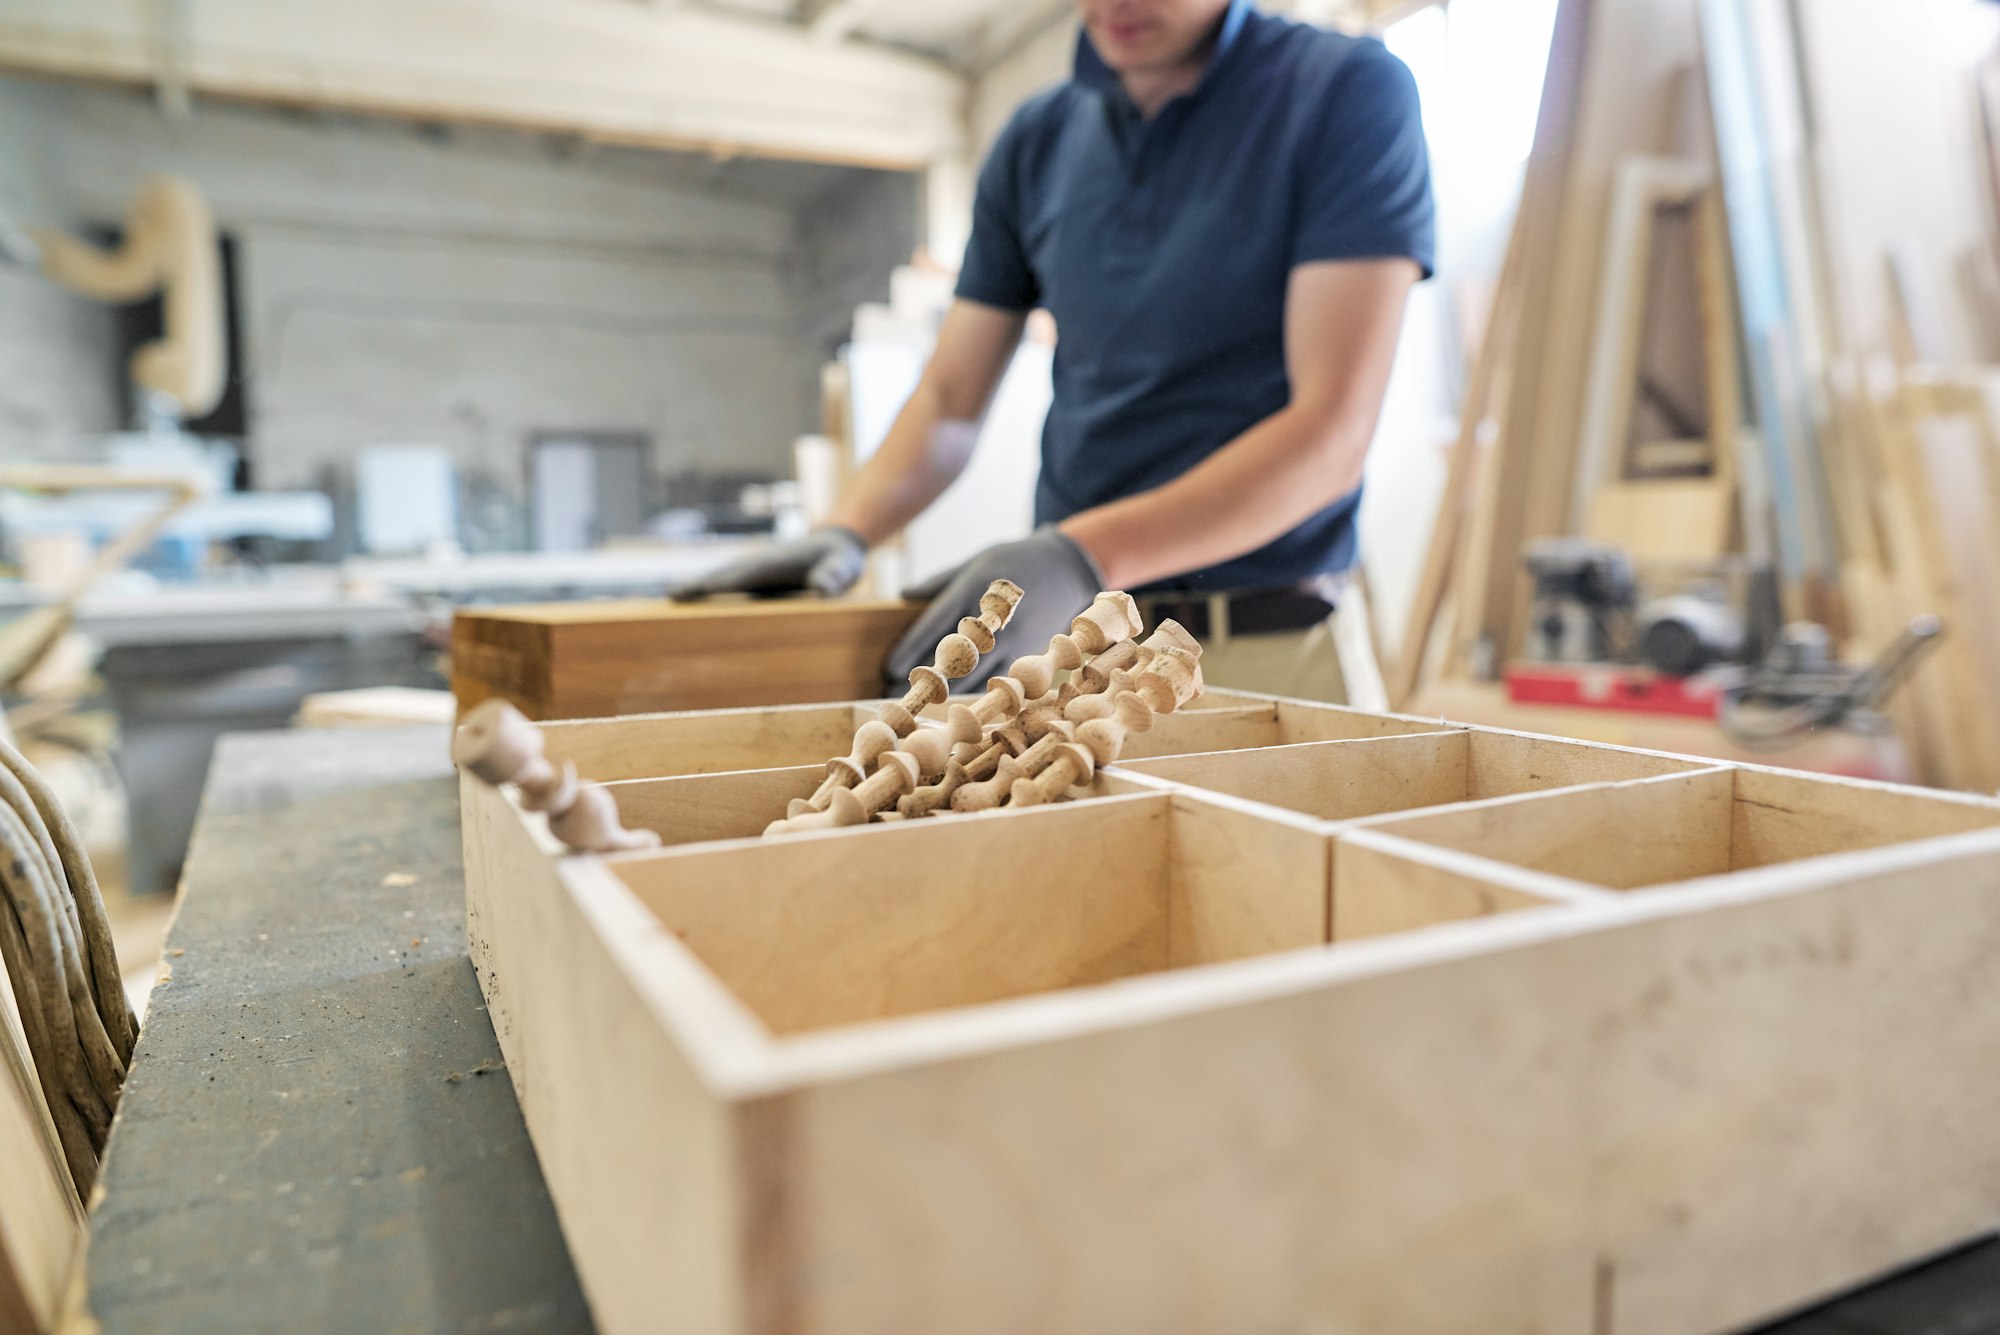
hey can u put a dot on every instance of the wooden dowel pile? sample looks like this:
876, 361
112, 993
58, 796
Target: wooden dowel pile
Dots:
1027, 740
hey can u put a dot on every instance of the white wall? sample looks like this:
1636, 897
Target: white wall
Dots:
1900, 155
1041, 63
403, 285
54, 398
849, 241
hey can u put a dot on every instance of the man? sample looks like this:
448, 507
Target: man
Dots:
1225, 212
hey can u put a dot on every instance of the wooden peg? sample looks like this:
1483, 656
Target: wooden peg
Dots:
931, 749
1105, 737
964, 752
1003, 700
870, 741
1072, 765
1169, 634
921, 802
957, 654
842, 809
927, 800
895, 774
1011, 735
1111, 617
989, 793
496, 744
1095, 676
1171, 680
1026, 765
1099, 704
1038, 716
1037, 672
996, 609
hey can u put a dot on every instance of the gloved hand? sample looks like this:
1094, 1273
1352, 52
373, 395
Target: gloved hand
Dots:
826, 561
1058, 579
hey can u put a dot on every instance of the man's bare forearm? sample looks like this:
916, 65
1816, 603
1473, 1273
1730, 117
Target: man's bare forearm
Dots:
931, 440
1254, 490
1342, 319
923, 453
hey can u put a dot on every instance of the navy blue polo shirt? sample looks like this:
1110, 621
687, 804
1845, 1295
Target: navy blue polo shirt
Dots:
1162, 247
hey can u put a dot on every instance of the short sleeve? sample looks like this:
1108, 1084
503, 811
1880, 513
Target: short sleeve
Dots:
1365, 178
996, 270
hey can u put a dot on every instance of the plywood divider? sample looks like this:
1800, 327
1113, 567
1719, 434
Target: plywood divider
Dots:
1617, 835
1780, 816
698, 808
1219, 729
1243, 881
1306, 721
649, 746
1503, 762
1383, 884
1328, 780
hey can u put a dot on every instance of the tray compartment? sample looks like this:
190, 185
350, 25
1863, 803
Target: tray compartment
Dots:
1349, 779
845, 927
1682, 827
1225, 721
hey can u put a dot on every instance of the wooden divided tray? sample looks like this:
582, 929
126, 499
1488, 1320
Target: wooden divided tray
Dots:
1302, 1020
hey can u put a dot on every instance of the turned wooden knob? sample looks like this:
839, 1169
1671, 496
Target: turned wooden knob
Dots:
1037, 672
1003, 699
497, 744
930, 748
1105, 737
1171, 680
1112, 616
996, 609
842, 809
1072, 765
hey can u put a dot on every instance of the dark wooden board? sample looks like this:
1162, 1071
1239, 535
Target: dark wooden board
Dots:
593, 660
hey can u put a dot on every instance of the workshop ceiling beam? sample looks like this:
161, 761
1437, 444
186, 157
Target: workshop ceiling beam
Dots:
834, 21
623, 73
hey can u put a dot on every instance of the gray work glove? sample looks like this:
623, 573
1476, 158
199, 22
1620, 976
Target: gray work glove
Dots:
1058, 581
826, 561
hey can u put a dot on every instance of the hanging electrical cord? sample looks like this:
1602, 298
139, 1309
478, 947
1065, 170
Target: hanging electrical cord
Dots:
56, 944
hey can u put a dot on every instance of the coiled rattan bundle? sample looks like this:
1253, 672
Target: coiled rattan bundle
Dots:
57, 948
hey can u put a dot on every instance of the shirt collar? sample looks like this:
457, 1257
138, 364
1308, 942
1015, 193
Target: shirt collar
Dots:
1092, 72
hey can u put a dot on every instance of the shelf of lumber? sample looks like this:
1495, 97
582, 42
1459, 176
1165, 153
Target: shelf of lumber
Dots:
592, 659
1298, 1017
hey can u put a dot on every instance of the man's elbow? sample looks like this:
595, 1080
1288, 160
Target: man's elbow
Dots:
1338, 451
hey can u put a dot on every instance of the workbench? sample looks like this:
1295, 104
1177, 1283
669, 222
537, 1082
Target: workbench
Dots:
317, 1134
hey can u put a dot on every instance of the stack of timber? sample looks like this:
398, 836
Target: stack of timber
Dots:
585, 660
1869, 484
1311, 1018
1547, 441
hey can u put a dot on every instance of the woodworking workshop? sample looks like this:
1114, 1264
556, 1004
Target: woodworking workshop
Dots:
1000, 667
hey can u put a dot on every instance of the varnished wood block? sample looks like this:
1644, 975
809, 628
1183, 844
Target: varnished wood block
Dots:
1349, 1023
594, 659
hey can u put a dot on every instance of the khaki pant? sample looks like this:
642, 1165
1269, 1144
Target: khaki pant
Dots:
1303, 664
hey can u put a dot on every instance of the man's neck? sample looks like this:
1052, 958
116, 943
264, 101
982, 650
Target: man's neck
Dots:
1152, 89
